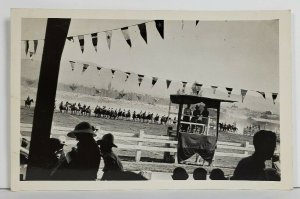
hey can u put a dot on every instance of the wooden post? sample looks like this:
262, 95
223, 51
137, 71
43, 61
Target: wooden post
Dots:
138, 154
55, 38
246, 153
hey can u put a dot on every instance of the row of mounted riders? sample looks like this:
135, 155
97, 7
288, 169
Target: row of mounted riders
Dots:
110, 113
114, 114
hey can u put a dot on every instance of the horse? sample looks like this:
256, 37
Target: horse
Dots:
63, 107
128, 115
28, 102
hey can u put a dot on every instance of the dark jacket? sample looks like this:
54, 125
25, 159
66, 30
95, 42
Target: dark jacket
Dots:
84, 163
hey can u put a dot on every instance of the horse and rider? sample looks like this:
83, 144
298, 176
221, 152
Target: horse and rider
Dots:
28, 102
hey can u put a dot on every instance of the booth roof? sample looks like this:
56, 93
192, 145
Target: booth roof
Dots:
193, 99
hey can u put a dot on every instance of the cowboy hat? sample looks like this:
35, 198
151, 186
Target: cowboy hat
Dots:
108, 140
82, 128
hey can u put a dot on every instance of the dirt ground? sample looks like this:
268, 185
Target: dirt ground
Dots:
152, 161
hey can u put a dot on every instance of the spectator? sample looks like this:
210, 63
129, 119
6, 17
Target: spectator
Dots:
180, 173
217, 174
253, 167
200, 174
112, 163
82, 163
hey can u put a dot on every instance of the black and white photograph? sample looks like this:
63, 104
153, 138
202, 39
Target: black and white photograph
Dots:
151, 99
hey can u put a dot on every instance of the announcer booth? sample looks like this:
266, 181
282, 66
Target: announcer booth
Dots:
197, 131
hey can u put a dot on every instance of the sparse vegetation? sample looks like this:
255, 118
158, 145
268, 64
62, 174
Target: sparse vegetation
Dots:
73, 87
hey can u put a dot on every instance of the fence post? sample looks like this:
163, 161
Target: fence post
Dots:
246, 153
140, 143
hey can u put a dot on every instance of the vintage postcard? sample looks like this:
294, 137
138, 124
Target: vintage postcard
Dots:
118, 100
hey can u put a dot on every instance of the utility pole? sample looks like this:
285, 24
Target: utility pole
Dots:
55, 38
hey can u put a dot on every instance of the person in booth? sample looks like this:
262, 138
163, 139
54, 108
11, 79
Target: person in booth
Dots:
187, 112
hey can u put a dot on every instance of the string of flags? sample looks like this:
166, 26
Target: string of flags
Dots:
141, 77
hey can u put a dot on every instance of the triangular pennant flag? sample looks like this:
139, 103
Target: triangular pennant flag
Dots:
198, 88
127, 76
70, 39
81, 42
126, 35
140, 78
143, 31
31, 55
26, 46
154, 80
85, 66
113, 73
183, 86
262, 94
108, 37
214, 89
35, 44
168, 83
72, 65
98, 69
243, 93
160, 27
197, 21
229, 90
182, 24
274, 97
95, 40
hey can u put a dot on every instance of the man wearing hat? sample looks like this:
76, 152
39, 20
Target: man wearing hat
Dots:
82, 163
112, 164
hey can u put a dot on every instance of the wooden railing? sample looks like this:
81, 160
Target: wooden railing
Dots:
169, 144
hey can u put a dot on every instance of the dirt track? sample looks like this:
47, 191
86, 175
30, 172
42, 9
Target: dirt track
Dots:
154, 159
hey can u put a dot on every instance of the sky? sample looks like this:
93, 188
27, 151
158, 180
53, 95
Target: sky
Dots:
237, 54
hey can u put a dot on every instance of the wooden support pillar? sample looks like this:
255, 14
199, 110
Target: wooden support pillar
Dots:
56, 33
138, 154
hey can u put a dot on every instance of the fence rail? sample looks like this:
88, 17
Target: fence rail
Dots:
141, 137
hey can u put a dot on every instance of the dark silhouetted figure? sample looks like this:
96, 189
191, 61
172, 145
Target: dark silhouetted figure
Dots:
180, 173
253, 167
82, 163
217, 174
113, 167
199, 174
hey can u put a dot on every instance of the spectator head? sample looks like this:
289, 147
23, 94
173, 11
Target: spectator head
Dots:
106, 143
55, 144
180, 173
82, 131
264, 143
217, 174
200, 174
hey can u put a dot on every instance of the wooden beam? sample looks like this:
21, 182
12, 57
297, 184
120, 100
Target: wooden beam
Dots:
56, 34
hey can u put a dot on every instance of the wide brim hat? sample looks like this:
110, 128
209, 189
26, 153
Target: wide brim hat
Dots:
82, 128
108, 140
